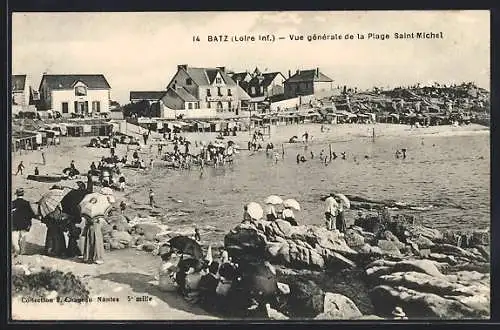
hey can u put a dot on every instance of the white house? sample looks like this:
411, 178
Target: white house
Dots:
80, 93
20, 93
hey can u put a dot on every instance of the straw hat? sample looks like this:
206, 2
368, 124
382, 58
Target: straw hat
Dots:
19, 192
398, 312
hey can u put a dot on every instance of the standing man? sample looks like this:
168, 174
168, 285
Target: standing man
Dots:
20, 168
331, 209
21, 220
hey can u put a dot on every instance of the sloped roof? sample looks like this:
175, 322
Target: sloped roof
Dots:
67, 81
146, 95
239, 76
18, 82
268, 78
242, 95
206, 76
309, 75
184, 94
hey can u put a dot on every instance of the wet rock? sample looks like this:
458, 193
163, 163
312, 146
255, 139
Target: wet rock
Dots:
419, 305
306, 298
336, 259
338, 307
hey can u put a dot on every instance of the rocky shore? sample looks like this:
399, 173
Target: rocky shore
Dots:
419, 269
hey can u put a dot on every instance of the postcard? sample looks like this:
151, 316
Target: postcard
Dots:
319, 165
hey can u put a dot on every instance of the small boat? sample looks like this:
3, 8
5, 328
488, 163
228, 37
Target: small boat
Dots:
46, 178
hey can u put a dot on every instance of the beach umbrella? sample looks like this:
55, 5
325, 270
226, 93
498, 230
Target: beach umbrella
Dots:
186, 245
95, 204
255, 210
50, 201
274, 200
292, 203
71, 201
344, 200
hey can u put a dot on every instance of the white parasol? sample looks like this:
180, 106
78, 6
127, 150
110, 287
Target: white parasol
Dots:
255, 210
345, 200
292, 203
274, 200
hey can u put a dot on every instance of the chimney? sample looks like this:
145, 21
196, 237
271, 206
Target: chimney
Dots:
289, 73
182, 67
222, 68
297, 72
317, 72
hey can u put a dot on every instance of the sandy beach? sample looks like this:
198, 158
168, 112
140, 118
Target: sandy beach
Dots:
123, 275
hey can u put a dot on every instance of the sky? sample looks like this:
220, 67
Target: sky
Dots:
141, 51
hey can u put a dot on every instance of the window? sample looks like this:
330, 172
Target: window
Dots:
196, 105
65, 108
253, 90
229, 92
190, 105
189, 81
208, 105
219, 92
80, 91
218, 80
96, 106
208, 92
262, 89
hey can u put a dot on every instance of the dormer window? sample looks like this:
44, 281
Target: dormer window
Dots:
189, 81
218, 80
229, 92
80, 91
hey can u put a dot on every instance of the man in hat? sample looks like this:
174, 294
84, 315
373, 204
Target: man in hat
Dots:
331, 209
21, 220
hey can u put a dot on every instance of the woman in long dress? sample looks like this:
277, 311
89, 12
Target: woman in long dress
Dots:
55, 243
93, 250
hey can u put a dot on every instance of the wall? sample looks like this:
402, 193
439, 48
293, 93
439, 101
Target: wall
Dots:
179, 79
291, 103
294, 89
320, 86
59, 96
170, 113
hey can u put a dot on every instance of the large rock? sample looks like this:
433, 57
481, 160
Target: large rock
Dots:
420, 305
306, 298
426, 283
433, 234
247, 239
282, 228
354, 239
122, 236
319, 236
422, 266
389, 248
338, 307
422, 242
148, 230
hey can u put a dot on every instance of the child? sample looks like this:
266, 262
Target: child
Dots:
151, 198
